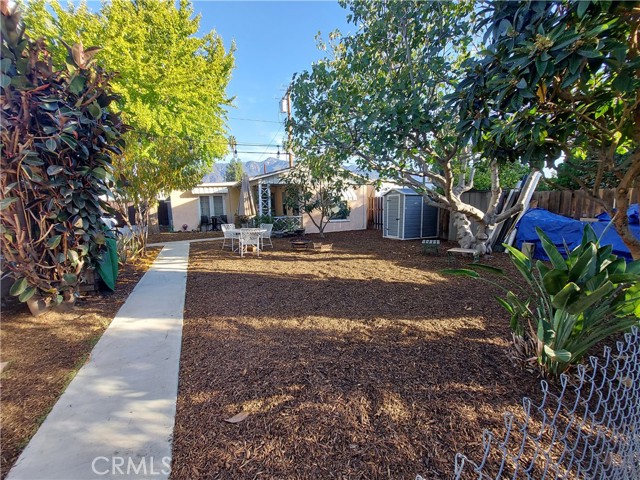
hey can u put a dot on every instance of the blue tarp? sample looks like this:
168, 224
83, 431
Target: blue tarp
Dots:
566, 230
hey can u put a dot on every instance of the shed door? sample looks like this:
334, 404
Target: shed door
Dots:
392, 220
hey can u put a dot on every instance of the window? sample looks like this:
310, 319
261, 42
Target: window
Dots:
205, 210
211, 205
218, 205
341, 211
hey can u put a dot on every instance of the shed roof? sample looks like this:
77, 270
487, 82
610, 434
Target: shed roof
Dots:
402, 191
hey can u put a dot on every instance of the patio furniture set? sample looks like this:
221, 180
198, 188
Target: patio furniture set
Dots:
247, 239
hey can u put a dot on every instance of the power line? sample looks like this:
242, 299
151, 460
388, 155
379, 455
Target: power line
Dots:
262, 153
254, 120
272, 140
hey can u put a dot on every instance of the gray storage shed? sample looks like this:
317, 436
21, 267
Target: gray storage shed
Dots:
407, 216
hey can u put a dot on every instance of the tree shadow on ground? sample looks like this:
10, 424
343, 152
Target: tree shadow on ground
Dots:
362, 363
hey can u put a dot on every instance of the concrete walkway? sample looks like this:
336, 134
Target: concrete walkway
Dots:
116, 418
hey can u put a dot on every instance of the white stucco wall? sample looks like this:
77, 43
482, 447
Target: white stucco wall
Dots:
357, 218
185, 207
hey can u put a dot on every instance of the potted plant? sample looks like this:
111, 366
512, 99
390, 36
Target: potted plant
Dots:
242, 220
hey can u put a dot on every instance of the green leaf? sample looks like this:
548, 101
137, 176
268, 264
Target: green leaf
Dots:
54, 169
18, 287
5, 80
461, 272
589, 53
77, 84
634, 267
54, 241
6, 202
617, 278
70, 278
51, 144
584, 301
554, 281
585, 264
566, 295
34, 161
545, 331
563, 356
582, 8
99, 239
70, 141
100, 173
27, 294
551, 250
488, 268
95, 110
73, 256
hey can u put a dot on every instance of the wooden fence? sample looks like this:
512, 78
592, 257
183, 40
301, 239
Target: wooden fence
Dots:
374, 213
577, 204
573, 204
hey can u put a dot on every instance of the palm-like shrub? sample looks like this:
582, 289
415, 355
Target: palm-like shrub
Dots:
570, 304
57, 139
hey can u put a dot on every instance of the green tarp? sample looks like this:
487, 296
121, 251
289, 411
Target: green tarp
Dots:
108, 267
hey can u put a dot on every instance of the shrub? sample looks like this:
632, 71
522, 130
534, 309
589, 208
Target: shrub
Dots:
57, 138
571, 304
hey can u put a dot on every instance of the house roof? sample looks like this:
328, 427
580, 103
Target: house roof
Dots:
275, 173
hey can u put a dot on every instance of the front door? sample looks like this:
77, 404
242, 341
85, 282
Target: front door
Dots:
392, 220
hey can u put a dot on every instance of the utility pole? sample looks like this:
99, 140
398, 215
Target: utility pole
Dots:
286, 104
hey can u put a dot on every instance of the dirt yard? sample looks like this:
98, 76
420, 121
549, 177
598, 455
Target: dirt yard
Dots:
362, 362
44, 353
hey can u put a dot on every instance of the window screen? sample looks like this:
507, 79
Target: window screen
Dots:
205, 211
217, 205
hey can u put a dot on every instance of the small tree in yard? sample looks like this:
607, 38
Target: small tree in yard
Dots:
316, 189
57, 140
560, 78
379, 100
171, 88
234, 171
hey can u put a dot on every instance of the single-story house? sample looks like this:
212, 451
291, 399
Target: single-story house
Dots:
222, 198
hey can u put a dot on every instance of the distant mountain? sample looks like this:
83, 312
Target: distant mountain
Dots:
250, 168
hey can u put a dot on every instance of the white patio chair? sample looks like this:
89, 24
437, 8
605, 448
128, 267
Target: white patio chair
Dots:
266, 235
228, 230
250, 237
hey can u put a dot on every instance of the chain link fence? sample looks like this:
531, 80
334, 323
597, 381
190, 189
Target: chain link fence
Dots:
590, 430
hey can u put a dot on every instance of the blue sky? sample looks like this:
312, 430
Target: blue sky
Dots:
273, 40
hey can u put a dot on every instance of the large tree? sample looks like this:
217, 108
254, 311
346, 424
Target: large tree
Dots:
172, 86
560, 79
380, 99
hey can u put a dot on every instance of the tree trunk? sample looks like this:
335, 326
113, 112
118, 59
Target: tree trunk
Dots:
621, 223
464, 235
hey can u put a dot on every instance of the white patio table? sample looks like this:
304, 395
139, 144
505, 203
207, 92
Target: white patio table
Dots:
236, 232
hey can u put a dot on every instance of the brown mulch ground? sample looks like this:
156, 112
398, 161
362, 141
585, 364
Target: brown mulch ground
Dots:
363, 362
44, 353
180, 236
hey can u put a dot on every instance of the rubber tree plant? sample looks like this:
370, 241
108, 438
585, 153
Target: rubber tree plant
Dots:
569, 304
57, 140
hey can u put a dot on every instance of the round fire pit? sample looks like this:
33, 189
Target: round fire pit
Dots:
300, 243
